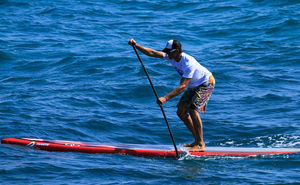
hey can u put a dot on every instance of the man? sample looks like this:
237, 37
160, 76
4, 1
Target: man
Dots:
198, 81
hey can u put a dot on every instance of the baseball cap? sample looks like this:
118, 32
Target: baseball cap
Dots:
171, 46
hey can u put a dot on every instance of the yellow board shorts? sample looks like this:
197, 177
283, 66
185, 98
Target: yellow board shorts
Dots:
197, 98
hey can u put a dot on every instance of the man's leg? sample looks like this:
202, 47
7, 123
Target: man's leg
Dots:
186, 118
198, 129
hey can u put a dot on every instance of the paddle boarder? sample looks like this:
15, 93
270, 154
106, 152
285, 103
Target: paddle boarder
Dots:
195, 79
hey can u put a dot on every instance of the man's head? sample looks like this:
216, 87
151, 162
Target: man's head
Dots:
173, 49
172, 45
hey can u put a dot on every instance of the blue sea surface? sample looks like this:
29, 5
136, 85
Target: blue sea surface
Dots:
67, 73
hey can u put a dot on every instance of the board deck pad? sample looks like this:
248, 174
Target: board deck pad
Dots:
139, 149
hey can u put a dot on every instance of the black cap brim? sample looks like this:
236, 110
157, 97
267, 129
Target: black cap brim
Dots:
166, 50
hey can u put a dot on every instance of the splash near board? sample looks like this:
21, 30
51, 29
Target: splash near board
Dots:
140, 150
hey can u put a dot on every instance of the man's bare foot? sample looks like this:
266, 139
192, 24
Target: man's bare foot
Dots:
190, 144
197, 148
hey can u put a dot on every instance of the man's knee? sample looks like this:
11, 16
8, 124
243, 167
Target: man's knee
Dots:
182, 114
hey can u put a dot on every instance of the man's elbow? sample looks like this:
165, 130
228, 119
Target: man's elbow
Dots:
183, 87
151, 53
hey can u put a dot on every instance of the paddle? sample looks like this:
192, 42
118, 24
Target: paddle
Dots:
162, 110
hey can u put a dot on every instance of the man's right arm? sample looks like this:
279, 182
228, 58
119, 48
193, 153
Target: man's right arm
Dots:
147, 51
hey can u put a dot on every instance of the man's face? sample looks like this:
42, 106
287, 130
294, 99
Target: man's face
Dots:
174, 54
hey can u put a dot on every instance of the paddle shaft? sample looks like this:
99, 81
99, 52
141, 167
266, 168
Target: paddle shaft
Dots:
161, 107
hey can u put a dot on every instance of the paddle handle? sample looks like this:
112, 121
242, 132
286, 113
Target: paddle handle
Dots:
161, 107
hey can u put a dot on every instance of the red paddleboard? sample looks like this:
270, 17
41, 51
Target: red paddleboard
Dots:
141, 150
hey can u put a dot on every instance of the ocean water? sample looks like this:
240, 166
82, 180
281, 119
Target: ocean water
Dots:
67, 73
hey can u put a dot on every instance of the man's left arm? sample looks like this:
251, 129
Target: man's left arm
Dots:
178, 90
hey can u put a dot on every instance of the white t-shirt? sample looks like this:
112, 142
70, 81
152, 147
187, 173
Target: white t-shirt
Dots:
188, 67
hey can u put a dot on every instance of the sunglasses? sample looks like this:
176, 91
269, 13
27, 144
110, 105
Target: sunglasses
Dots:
172, 51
